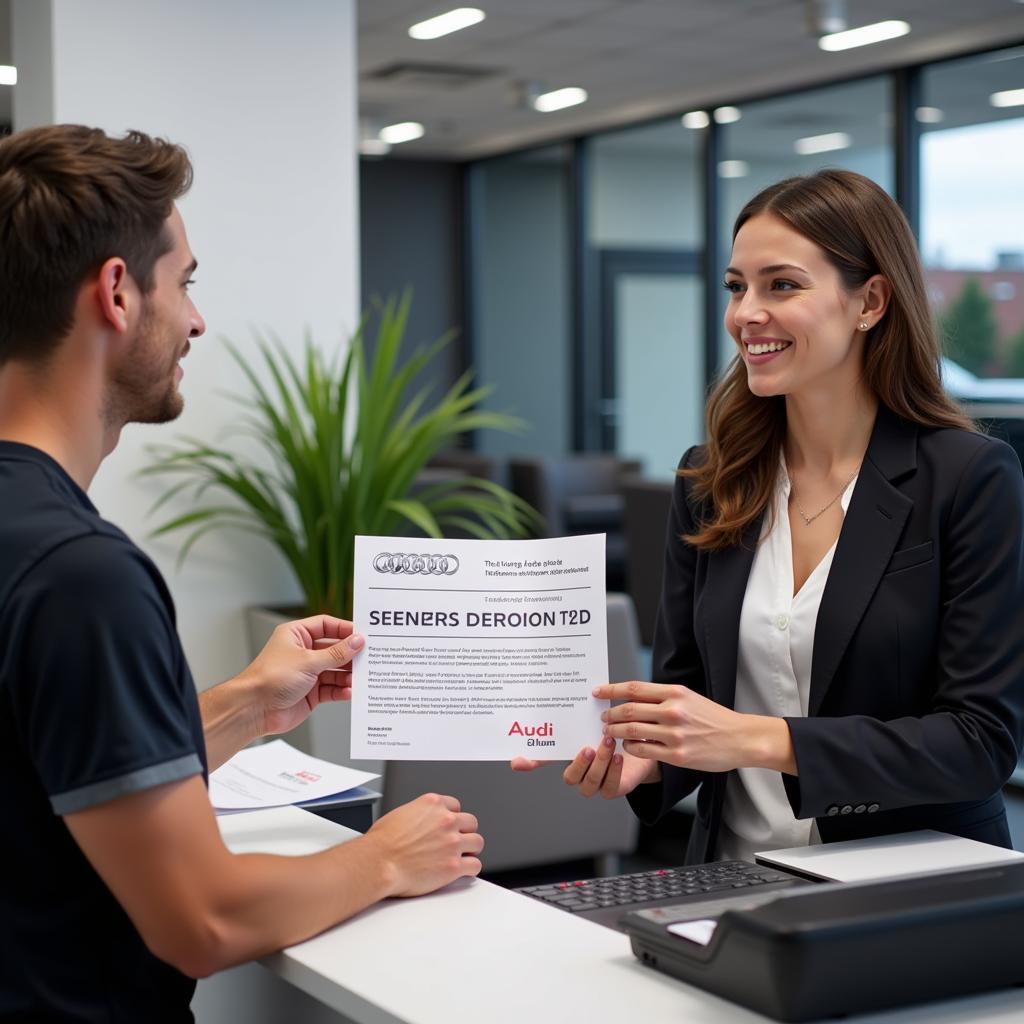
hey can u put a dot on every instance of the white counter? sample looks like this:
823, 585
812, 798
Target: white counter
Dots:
479, 953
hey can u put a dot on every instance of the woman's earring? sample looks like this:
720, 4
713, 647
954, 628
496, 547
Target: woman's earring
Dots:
862, 325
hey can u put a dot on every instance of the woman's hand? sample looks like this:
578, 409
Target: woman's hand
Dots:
610, 774
601, 770
673, 724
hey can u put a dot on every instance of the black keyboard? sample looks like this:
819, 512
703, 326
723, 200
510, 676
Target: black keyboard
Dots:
680, 884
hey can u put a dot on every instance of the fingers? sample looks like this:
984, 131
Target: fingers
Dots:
647, 693
577, 767
526, 764
449, 801
334, 691
649, 750
336, 654
472, 844
638, 712
638, 731
337, 677
598, 768
613, 778
470, 867
321, 643
467, 822
321, 626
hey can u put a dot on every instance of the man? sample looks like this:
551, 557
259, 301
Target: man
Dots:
115, 886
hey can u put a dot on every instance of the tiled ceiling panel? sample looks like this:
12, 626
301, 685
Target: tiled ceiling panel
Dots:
636, 58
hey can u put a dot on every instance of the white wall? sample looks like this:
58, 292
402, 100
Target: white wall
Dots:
263, 95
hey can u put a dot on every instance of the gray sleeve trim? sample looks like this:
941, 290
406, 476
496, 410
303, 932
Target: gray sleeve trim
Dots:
134, 782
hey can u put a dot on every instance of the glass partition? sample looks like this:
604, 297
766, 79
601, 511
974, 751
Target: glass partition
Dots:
645, 218
521, 296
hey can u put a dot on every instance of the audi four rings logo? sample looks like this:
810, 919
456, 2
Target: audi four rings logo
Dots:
416, 565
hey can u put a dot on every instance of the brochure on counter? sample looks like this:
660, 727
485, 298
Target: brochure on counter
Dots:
275, 774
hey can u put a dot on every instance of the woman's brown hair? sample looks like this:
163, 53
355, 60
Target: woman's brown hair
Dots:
862, 232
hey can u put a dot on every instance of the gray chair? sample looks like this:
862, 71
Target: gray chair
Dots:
471, 463
534, 818
578, 494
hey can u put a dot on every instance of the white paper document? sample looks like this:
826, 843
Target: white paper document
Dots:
275, 774
701, 932
478, 650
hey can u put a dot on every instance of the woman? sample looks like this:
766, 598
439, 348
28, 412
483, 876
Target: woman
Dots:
840, 644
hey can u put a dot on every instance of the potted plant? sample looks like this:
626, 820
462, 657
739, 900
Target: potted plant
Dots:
340, 442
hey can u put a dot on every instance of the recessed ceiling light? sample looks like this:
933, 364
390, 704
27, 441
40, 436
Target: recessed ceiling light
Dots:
733, 169
404, 131
727, 115
696, 119
559, 99
443, 24
8, 74
930, 115
1009, 98
864, 36
822, 143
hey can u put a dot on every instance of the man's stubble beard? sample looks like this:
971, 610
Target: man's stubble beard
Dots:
143, 388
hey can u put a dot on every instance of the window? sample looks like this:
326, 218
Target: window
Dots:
972, 216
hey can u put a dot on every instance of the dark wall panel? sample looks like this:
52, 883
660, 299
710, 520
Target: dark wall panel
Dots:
411, 235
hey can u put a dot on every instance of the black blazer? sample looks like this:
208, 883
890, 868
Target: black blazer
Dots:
916, 707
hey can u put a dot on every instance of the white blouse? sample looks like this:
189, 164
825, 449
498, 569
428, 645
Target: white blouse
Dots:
773, 677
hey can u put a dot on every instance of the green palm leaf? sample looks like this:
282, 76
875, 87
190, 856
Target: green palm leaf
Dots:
339, 442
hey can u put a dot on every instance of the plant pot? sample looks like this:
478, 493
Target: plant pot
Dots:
327, 732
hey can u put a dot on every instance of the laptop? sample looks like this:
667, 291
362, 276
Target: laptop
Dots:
693, 892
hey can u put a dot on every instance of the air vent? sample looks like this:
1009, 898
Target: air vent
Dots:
412, 75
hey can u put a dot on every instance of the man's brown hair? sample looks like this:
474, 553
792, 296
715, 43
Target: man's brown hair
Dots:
71, 198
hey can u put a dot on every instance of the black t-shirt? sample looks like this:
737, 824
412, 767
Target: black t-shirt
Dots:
96, 701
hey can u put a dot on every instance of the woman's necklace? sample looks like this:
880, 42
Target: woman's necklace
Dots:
810, 519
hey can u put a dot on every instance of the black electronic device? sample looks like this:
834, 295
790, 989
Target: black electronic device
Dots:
705, 889
844, 948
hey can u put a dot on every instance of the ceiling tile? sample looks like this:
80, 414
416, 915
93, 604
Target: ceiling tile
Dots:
653, 56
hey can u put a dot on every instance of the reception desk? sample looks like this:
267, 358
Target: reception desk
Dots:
476, 952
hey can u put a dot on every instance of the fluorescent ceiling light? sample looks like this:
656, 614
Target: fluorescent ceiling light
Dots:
733, 169
822, 143
453, 21
696, 119
405, 131
930, 115
374, 147
727, 115
864, 36
559, 99
1009, 98
8, 74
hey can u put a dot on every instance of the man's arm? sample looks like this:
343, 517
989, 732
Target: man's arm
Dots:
304, 663
201, 908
